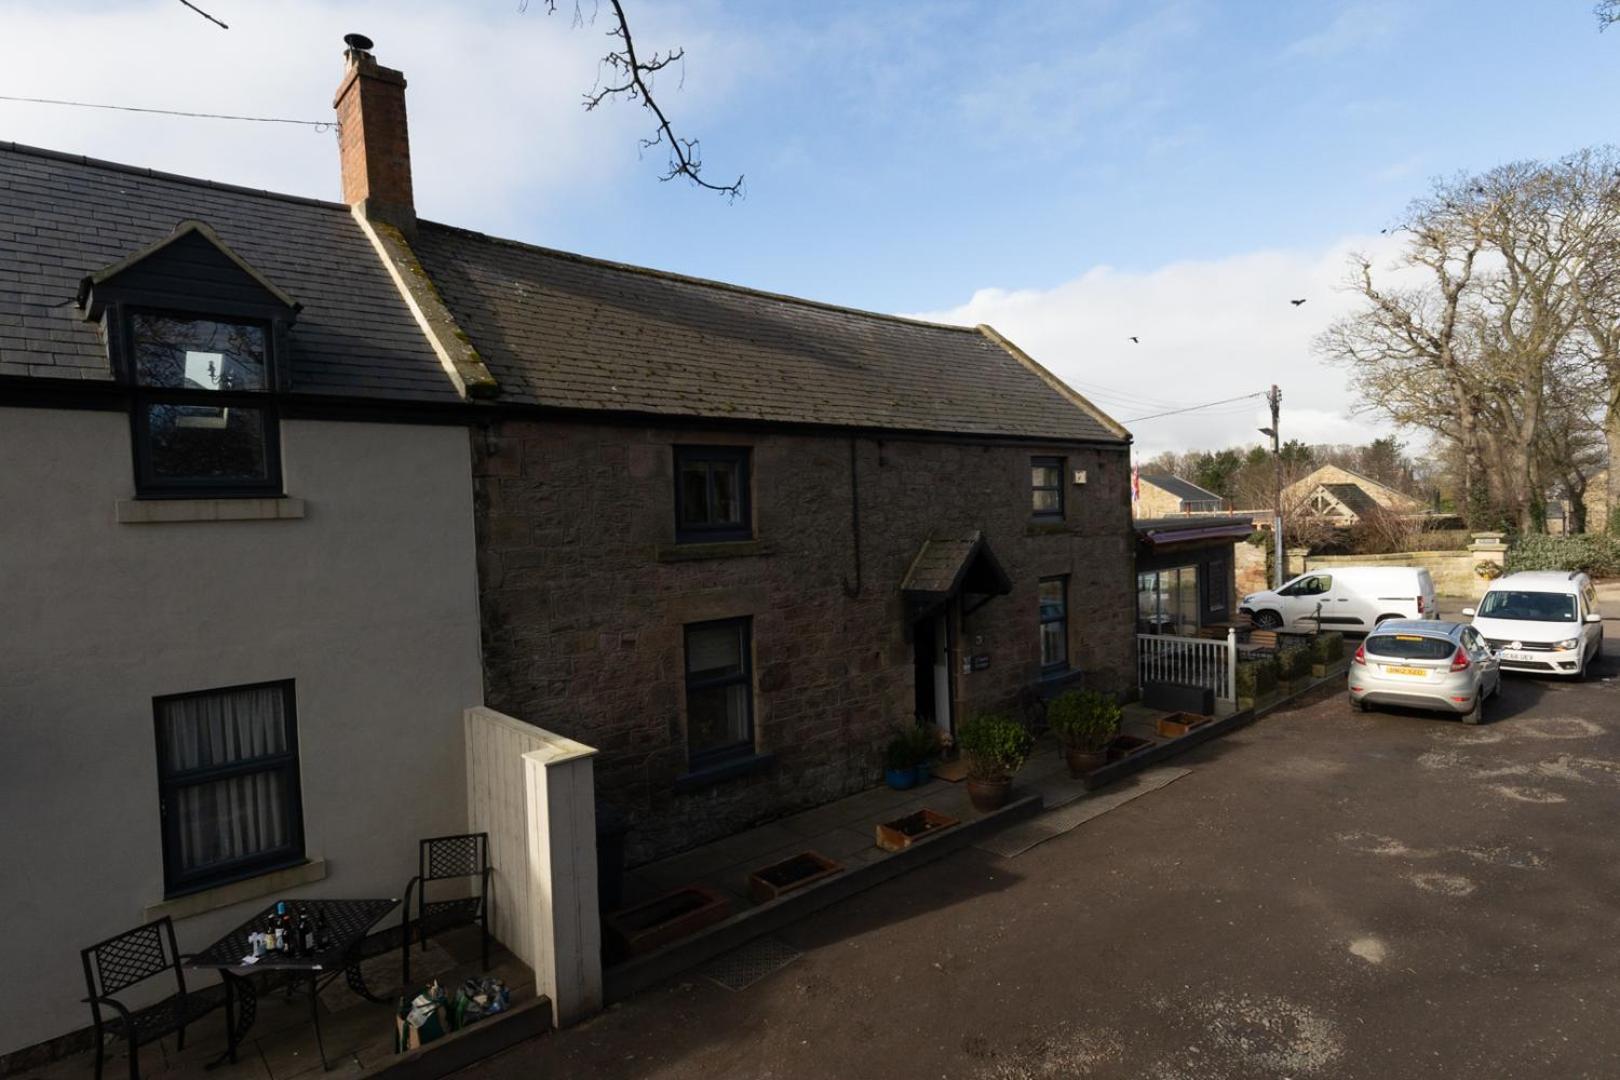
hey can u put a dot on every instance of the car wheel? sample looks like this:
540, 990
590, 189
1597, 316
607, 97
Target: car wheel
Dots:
1476, 715
1268, 620
1357, 705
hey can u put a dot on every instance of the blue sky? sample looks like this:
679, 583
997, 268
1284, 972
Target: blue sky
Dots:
1076, 173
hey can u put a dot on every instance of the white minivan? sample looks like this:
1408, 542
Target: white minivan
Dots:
1544, 621
1355, 598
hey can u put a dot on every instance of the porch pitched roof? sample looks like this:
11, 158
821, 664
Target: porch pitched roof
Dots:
945, 567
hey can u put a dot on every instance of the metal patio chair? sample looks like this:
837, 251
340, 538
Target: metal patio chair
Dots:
447, 858
131, 957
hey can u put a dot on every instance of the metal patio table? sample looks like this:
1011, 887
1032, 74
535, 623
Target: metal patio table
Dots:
347, 923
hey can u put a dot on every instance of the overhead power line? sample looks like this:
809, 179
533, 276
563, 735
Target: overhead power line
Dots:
1195, 408
318, 125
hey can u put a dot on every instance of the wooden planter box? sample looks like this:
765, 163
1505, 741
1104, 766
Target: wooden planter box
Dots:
901, 833
633, 931
781, 878
1178, 724
1124, 746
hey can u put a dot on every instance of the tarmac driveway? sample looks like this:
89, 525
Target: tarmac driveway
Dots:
1325, 895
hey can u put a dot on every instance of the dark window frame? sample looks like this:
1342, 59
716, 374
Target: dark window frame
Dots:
1042, 462
1061, 664
741, 459
150, 486
176, 880
697, 761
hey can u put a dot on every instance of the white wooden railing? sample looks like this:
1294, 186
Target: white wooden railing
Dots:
1206, 662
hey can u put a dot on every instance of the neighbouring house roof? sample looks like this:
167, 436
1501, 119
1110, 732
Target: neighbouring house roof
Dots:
1185, 490
1167, 532
65, 218
945, 567
1353, 497
571, 332
1325, 475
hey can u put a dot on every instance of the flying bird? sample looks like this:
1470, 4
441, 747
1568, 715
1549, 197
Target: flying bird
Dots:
1138, 341
1296, 303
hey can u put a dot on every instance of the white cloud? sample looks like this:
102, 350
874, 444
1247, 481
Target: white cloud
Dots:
1209, 330
497, 131
1356, 26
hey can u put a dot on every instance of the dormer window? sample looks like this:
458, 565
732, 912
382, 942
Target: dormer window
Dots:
198, 335
204, 422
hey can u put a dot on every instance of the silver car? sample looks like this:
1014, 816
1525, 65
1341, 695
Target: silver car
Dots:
1428, 664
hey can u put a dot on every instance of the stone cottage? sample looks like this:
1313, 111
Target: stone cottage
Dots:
734, 539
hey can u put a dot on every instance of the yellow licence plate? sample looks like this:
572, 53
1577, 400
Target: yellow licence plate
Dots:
1419, 672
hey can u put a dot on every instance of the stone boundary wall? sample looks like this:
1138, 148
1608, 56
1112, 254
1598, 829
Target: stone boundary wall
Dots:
1453, 571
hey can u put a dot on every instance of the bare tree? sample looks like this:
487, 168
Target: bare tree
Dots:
1607, 12
1406, 349
1512, 267
630, 76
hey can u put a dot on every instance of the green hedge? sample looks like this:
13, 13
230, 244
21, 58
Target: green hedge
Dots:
1597, 554
1294, 662
1327, 648
1255, 678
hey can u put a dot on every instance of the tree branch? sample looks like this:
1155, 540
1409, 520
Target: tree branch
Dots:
631, 75
204, 14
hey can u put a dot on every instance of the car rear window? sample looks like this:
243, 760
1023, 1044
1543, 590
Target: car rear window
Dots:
1410, 647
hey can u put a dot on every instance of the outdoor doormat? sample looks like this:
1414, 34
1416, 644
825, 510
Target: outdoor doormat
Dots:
1020, 838
901, 833
741, 968
1178, 724
780, 878
633, 931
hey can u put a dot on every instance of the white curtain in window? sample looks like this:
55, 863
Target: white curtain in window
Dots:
220, 820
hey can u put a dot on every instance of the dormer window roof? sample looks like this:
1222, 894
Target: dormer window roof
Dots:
190, 266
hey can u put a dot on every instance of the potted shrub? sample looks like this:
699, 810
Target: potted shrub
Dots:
926, 742
905, 752
995, 747
1084, 721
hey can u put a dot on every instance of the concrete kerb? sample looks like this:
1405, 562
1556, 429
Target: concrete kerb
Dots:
643, 972
1197, 736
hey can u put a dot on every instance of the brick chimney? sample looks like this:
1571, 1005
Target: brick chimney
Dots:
373, 139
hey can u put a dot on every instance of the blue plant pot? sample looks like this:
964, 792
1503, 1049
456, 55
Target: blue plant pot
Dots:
900, 779
925, 773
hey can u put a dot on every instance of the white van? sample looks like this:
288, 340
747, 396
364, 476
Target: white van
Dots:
1355, 598
1545, 621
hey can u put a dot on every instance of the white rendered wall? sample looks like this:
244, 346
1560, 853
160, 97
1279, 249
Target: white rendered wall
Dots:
369, 603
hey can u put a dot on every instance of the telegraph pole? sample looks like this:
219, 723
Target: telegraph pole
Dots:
1279, 565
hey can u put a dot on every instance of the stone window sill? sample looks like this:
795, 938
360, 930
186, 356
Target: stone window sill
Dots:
730, 770
726, 549
163, 511
222, 896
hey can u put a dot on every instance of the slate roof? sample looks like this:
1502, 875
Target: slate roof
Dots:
572, 332
1181, 489
943, 566
1352, 496
557, 330
63, 217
